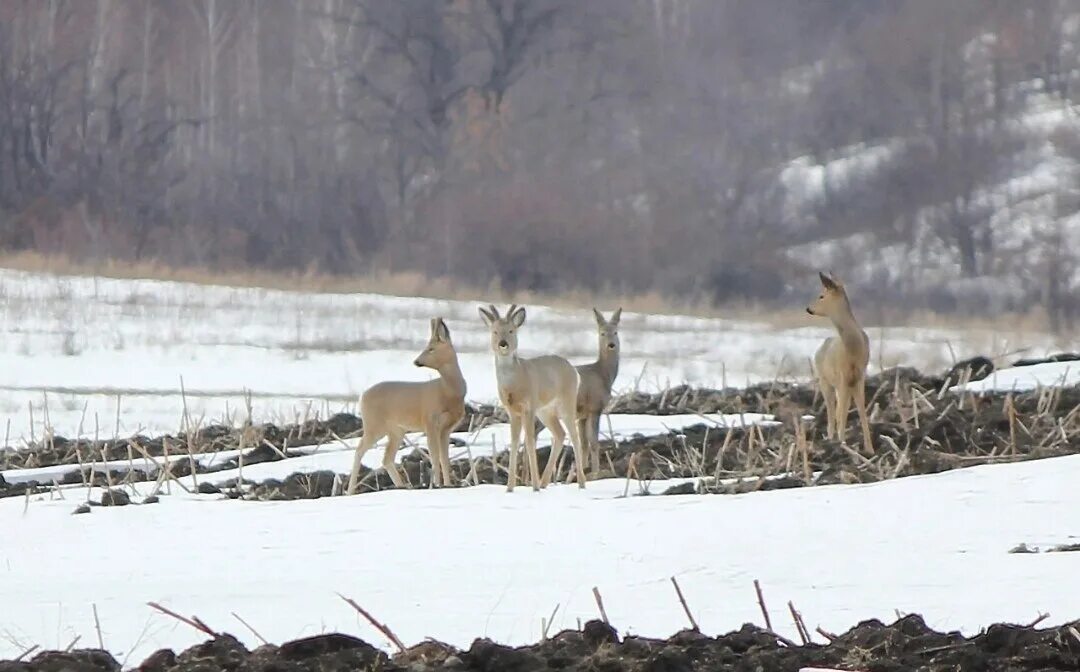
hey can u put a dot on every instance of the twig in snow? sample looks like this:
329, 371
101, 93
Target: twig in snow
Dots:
248, 626
682, 601
387, 632
25, 653
825, 633
761, 603
799, 625
1038, 619
193, 621
600, 604
97, 627
545, 624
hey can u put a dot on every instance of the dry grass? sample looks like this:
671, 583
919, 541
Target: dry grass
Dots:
410, 284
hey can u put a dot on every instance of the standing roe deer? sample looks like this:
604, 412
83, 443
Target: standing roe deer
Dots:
594, 390
544, 387
841, 361
434, 407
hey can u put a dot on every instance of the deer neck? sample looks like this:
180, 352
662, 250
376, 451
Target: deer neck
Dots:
608, 363
506, 367
851, 334
452, 381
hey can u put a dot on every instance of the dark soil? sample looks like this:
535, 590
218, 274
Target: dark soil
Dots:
907, 644
918, 427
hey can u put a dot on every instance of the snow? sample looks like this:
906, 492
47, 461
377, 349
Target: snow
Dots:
470, 562
108, 356
1026, 378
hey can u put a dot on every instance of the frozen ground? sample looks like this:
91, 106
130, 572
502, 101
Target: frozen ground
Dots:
458, 564
338, 456
92, 352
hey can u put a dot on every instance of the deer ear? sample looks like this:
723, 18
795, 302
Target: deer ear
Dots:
600, 321
442, 332
517, 317
615, 317
827, 282
486, 315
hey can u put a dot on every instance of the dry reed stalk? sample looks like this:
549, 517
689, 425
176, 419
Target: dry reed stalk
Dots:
600, 604
194, 621
768, 622
826, 634
761, 603
800, 626
1010, 410
248, 626
167, 467
97, 627
721, 452
387, 632
686, 609
25, 653
802, 447
7, 443
165, 474
545, 623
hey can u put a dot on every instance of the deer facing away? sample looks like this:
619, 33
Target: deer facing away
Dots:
544, 387
594, 390
840, 362
434, 407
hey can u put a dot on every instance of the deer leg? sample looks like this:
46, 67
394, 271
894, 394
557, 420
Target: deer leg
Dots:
568, 411
594, 444
392, 445
860, 404
583, 432
444, 451
431, 431
828, 394
366, 441
843, 405
515, 439
550, 418
529, 422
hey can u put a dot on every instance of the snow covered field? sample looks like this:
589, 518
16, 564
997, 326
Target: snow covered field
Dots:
119, 349
458, 564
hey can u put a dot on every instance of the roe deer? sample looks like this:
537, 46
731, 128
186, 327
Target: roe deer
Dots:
544, 387
840, 362
594, 390
435, 407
